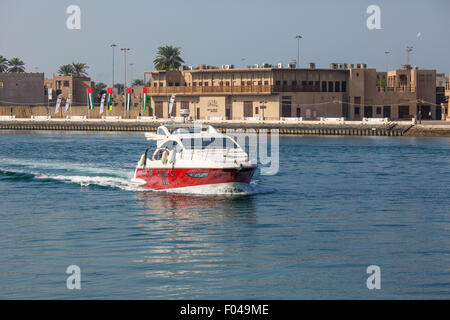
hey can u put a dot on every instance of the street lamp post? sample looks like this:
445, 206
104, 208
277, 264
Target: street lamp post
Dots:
113, 46
125, 78
132, 75
387, 60
298, 37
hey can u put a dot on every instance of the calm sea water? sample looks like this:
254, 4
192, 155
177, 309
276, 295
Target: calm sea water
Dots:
337, 205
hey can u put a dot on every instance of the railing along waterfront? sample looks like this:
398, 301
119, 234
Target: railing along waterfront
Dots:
250, 89
396, 89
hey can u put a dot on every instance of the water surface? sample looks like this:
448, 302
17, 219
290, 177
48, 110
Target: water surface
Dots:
337, 205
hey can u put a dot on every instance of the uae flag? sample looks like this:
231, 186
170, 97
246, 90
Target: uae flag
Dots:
109, 98
90, 99
144, 98
128, 97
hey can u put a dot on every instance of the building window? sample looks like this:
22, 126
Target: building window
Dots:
294, 83
206, 84
177, 84
256, 110
221, 83
66, 83
194, 84
310, 83
227, 83
330, 86
344, 86
200, 84
249, 83
286, 103
356, 111
337, 86
304, 83
266, 83
378, 110
1, 84
285, 83
277, 83
324, 86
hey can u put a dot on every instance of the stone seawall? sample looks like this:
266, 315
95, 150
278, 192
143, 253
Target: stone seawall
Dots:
388, 129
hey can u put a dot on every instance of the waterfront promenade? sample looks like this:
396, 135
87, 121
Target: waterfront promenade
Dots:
322, 127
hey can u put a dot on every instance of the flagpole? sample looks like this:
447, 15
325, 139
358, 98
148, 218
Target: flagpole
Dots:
87, 104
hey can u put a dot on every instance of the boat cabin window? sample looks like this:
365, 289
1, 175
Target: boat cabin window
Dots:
161, 131
209, 143
169, 145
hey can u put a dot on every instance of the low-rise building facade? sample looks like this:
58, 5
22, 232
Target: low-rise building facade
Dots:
21, 88
73, 85
353, 92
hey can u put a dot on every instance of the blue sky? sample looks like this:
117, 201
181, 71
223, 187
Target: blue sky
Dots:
223, 32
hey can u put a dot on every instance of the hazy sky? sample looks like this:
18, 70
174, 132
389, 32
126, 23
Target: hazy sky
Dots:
223, 32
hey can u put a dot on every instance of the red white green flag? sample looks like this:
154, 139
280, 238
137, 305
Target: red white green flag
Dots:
128, 97
109, 98
144, 98
90, 99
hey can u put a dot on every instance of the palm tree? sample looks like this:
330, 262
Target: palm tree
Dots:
66, 70
3, 64
100, 88
138, 82
80, 69
16, 65
168, 58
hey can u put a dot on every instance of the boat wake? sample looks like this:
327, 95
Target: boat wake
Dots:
87, 175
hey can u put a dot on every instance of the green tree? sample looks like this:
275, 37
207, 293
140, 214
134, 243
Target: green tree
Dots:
381, 82
119, 87
138, 82
79, 69
100, 88
66, 70
16, 65
3, 64
168, 58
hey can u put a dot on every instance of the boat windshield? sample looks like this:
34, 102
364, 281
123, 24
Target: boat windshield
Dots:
208, 143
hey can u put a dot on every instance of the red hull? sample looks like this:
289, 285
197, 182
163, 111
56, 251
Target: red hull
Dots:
159, 179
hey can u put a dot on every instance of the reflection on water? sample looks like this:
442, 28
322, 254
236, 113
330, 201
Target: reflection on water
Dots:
190, 236
198, 206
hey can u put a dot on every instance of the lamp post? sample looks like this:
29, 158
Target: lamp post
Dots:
387, 60
298, 37
263, 106
132, 75
125, 78
409, 49
113, 46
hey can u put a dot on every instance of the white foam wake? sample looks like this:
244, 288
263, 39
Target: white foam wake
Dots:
225, 189
85, 181
65, 166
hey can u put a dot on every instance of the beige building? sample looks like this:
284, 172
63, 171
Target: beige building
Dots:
74, 85
446, 105
21, 88
353, 92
